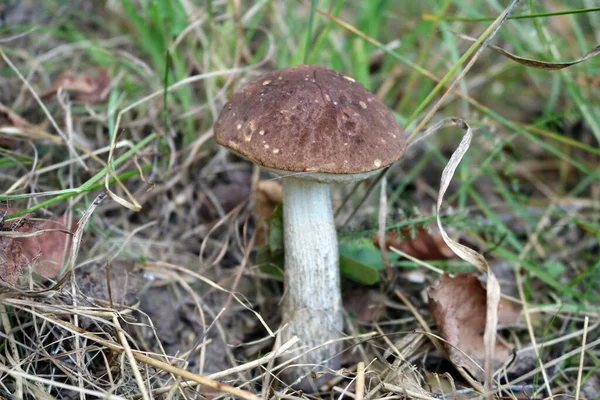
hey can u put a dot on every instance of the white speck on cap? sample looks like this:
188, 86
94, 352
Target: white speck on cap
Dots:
377, 163
362, 104
265, 83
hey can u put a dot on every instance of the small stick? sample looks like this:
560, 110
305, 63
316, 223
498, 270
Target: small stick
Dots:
360, 381
580, 372
202, 380
14, 350
240, 368
406, 392
61, 385
136, 371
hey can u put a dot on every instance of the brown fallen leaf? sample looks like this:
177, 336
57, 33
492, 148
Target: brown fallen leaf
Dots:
267, 196
50, 249
425, 245
11, 259
508, 312
367, 306
86, 88
10, 119
228, 196
44, 252
458, 306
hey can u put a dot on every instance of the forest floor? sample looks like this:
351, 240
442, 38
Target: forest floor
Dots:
139, 260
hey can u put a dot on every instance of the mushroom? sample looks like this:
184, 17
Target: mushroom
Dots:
313, 126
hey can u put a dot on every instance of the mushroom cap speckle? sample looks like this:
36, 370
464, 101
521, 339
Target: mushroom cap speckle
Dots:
310, 119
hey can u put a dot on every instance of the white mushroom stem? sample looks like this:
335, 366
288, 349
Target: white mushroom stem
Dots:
312, 305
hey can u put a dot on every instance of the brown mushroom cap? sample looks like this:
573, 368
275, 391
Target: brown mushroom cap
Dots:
310, 119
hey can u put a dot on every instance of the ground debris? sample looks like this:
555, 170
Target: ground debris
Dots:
366, 305
86, 88
10, 119
458, 306
424, 244
44, 245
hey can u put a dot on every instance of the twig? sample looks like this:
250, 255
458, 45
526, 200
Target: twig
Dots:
253, 364
136, 371
417, 261
407, 392
552, 363
213, 285
50, 382
14, 350
359, 390
519, 280
202, 380
580, 372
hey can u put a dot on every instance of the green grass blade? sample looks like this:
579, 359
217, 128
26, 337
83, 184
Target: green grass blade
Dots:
90, 184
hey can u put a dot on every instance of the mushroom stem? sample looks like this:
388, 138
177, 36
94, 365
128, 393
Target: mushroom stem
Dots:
312, 306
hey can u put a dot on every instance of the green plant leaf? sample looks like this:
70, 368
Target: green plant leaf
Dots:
360, 260
275, 223
358, 271
269, 264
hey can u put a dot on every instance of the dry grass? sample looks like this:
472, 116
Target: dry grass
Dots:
160, 295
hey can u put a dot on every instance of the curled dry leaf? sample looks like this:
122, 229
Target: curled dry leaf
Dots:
86, 88
458, 306
44, 252
529, 62
425, 245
